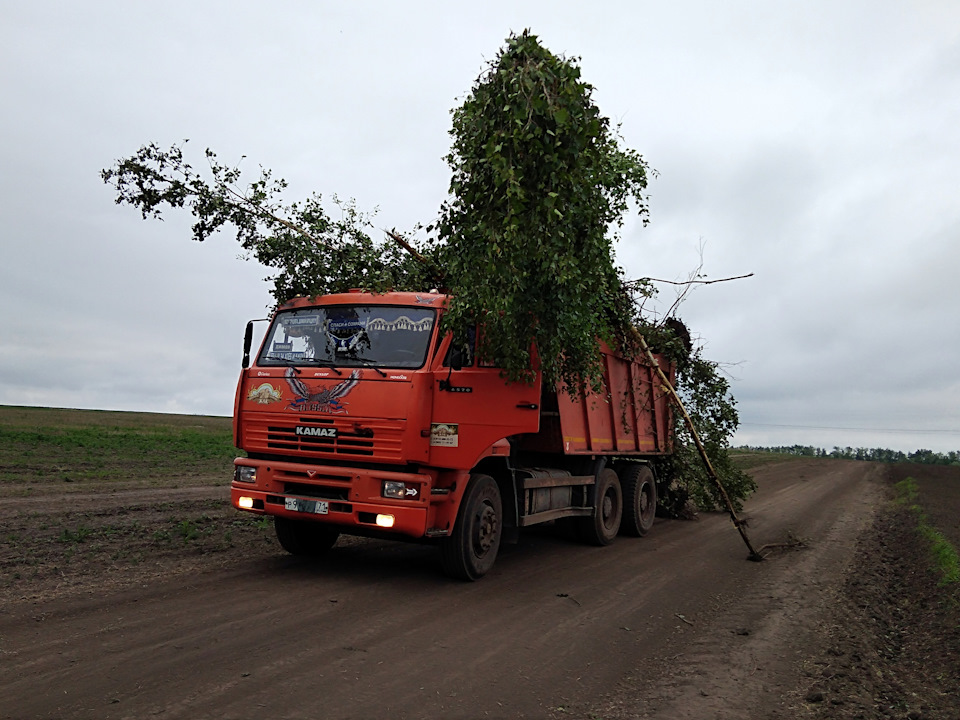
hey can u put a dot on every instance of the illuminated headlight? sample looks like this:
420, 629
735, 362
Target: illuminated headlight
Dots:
400, 491
245, 473
245, 502
385, 521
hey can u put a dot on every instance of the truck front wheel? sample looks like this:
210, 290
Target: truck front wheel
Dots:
303, 537
601, 528
470, 551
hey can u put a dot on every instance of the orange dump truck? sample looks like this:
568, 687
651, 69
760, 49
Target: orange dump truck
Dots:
359, 417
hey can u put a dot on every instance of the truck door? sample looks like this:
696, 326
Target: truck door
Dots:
473, 407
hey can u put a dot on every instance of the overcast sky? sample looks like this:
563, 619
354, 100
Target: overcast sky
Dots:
815, 144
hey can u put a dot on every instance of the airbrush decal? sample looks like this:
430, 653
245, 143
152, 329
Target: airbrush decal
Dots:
265, 394
327, 399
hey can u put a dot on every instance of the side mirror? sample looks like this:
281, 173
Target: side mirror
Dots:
247, 341
456, 359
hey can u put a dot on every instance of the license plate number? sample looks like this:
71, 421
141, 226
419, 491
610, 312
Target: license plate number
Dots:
315, 507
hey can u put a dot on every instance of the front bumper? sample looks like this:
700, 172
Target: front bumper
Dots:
353, 496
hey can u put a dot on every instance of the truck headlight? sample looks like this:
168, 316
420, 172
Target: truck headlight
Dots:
401, 490
245, 473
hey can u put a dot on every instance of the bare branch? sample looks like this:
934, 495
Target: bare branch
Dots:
688, 282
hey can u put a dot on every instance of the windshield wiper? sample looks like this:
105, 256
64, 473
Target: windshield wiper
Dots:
369, 364
291, 362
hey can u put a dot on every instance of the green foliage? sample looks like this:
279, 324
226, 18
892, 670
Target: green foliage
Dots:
312, 253
713, 410
539, 180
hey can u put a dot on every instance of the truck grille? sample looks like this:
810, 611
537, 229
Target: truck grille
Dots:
353, 438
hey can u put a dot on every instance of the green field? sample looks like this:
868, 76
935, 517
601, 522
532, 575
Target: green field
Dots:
44, 446
52, 446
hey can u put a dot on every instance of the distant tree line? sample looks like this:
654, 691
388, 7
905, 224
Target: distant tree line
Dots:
925, 457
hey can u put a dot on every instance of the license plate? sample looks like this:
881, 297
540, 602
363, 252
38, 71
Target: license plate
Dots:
315, 507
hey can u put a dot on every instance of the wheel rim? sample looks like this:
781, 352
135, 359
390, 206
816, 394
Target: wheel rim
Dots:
609, 508
644, 500
485, 530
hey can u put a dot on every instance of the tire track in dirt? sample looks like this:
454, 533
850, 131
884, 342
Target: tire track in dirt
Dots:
743, 658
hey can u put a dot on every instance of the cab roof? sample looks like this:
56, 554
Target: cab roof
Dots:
359, 297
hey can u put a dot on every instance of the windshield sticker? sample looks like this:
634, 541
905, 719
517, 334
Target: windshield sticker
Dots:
265, 394
346, 344
401, 323
346, 333
302, 320
325, 399
298, 355
444, 435
346, 327
283, 347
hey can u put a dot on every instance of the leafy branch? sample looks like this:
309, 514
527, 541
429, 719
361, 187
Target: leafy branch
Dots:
311, 253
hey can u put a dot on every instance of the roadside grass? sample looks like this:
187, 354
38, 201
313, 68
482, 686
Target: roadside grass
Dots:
944, 557
50, 445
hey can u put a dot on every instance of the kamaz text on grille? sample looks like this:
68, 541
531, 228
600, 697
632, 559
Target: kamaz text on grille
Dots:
328, 432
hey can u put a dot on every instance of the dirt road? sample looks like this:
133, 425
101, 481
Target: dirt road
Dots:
675, 625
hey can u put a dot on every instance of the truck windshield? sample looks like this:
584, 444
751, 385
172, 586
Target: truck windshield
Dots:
350, 335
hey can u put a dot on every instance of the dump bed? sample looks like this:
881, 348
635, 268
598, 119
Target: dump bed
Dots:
633, 415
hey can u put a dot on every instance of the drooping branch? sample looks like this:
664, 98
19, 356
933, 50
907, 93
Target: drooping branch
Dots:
311, 252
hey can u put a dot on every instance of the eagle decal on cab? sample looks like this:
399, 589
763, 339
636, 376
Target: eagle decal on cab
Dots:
327, 400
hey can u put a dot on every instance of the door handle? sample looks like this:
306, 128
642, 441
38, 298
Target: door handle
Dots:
528, 406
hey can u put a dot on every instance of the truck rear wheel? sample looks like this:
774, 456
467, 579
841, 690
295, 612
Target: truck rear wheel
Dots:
303, 537
601, 528
470, 551
639, 499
